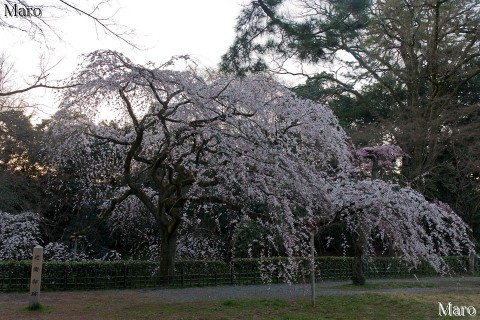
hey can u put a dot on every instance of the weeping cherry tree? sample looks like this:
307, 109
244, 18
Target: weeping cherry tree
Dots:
177, 142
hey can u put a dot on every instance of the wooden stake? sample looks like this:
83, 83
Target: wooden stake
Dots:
312, 267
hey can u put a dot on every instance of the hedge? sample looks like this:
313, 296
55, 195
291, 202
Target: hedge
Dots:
94, 275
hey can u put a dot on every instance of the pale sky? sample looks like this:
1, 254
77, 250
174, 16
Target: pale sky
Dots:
202, 29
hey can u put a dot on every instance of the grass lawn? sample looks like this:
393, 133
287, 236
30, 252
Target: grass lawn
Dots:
74, 305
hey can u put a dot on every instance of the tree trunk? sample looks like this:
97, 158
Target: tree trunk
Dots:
358, 272
168, 248
375, 168
471, 262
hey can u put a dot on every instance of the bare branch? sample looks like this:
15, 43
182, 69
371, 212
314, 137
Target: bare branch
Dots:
101, 23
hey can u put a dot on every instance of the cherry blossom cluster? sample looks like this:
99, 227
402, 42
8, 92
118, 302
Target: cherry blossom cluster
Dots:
19, 233
385, 156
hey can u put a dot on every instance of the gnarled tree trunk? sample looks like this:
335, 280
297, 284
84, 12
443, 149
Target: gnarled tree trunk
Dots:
358, 272
168, 248
168, 222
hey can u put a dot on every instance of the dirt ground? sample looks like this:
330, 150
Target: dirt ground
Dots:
70, 305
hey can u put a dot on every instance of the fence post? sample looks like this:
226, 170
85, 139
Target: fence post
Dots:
9, 280
124, 276
95, 279
182, 279
65, 272
312, 267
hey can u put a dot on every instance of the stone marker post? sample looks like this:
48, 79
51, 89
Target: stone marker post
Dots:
36, 277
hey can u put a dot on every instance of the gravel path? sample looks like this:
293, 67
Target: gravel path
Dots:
273, 291
285, 291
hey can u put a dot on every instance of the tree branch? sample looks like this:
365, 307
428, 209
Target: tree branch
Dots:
98, 20
34, 86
